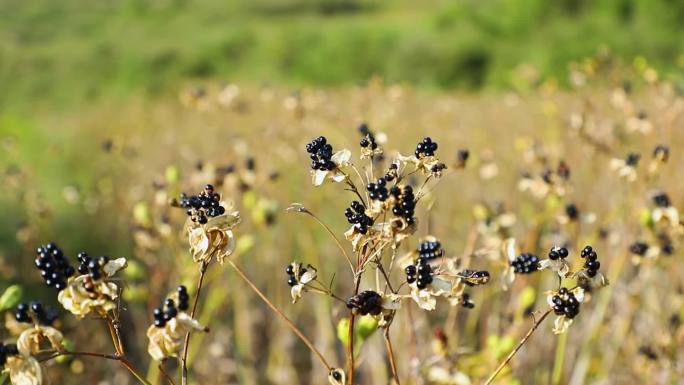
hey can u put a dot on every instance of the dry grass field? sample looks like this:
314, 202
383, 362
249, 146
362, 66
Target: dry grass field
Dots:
105, 176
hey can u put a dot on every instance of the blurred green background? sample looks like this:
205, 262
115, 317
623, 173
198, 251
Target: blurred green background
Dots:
72, 51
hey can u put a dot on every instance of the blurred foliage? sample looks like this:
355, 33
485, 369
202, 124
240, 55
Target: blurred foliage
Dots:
74, 50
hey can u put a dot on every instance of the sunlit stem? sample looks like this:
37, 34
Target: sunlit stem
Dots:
287, 321
517, 348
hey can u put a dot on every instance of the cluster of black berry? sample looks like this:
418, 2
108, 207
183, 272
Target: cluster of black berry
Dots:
202, 206
430, 249
426, 148
421, 274
638, 248
368, 140
525, 263
558, 252
591, 264
168, 311
568, 307
366, 302
43, 314
378, 190
572, 211
356, 215
466, 302
6, 351
405, 202
438, 167
662, 200
632, 159
392, 172
53, 265
290, 270
91, 265
321, 153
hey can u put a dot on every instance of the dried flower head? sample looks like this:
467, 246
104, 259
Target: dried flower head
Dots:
557, 261
171, 324
589, 276
298, 277
213, 237
525, 263
337, 377
626, 168
566, 305
92, 291
324, 163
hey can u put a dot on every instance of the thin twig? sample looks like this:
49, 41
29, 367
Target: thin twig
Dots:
186, 344
350, 335
332, 234
123, 360
289, 323
514, 351
165, 374
115, 340
390, 354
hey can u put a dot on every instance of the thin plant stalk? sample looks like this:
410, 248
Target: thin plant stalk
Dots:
275, 309
350, 335
165, 374
332, 234
390, 355
123, 360
186, 344
557, 372
517, 348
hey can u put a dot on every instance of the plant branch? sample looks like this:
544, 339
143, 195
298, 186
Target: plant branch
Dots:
165, 374
390, 354
517, 348
123, 360
186, 344
289, 323
329, 230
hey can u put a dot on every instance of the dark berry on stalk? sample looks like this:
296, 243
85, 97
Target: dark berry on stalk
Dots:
632, 159
54, 267
430, 249
366, 302
463, 155
572, 211
203, 206
638, 248
466, 302
170, 313
426, 148
525, 263
662, 200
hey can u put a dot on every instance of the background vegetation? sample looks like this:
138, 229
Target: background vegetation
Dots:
72, 51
